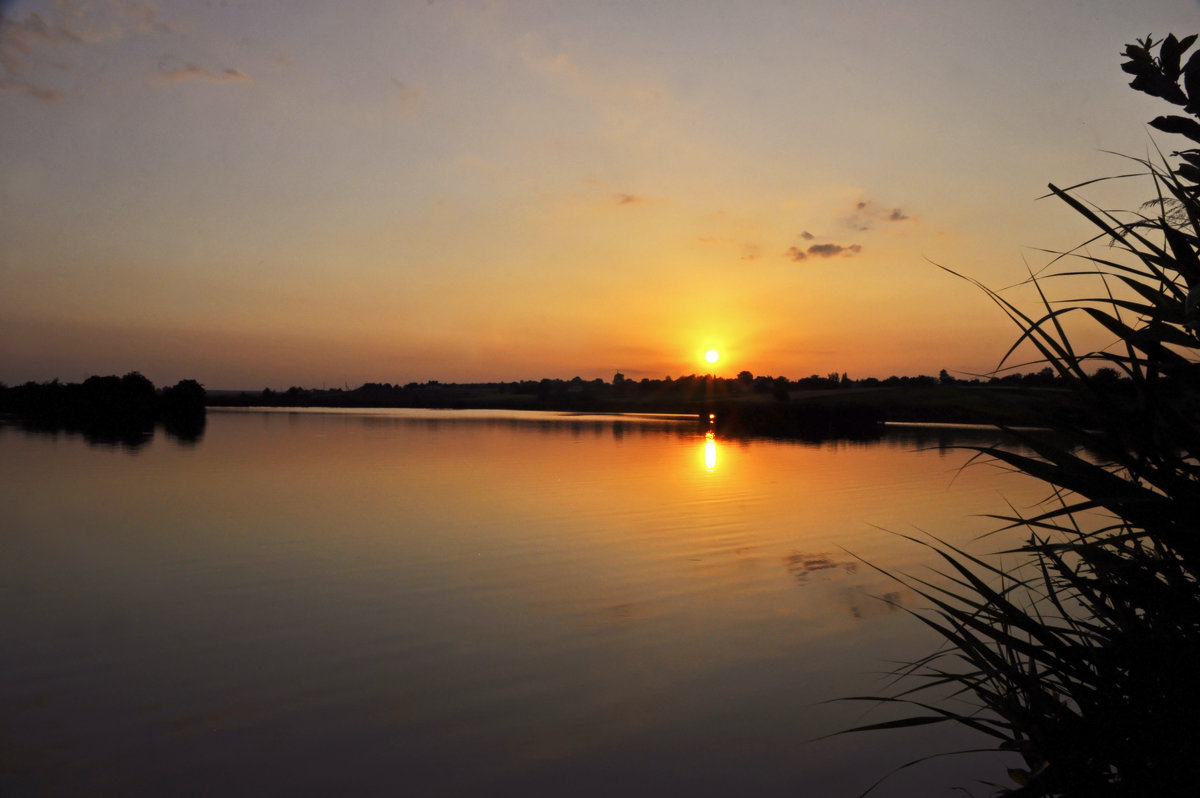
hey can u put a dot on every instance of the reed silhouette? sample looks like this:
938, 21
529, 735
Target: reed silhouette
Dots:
1079, 654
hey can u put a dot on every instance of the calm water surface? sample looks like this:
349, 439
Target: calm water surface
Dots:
461, 603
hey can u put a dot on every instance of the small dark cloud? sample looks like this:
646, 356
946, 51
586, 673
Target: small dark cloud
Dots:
865, 214
193, 72
823, 251
629, 199
861, 218
807, 236
829, 250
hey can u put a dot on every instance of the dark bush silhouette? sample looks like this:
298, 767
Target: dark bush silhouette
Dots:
108, 410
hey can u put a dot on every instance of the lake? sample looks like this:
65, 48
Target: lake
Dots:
463, 603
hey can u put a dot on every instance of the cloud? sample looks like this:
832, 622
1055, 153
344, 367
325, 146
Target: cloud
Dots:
535, 57
562, 64
405, 93
746, 250
829, 250
807, 236
193, 72
20, 37
143, 17
823, 251
36, 92
68, 23
629, 199
866, 214
19, 41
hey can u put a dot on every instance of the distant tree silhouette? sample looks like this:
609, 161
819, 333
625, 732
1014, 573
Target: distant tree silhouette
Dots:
186, 395
107, 409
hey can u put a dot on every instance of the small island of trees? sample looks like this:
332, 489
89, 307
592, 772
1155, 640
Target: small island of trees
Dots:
118, 410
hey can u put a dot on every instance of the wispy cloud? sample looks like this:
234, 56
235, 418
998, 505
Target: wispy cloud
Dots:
866, 214
68, 23
143, 17
405, 93
630, 199
823, 251
747, 250
20, 37
539, 57
36, 92
193, 72
561, 64
19, 41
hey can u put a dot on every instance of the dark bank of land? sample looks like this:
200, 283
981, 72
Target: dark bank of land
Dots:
832, 406
111, 410
126, 409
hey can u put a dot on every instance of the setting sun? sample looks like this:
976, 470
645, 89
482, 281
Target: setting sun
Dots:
712, 356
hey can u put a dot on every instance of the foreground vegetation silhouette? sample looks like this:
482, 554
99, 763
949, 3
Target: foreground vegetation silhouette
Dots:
1080, 653
109, 410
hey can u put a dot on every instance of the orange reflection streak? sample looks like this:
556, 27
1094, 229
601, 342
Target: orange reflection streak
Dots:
710, 451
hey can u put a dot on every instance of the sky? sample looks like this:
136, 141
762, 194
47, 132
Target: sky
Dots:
266, 193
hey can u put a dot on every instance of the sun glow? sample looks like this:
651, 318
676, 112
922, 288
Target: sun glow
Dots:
712, 356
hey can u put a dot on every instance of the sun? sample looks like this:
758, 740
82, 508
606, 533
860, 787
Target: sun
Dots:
712, 356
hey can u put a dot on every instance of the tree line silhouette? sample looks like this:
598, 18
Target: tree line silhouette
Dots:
577, 391
124, 410
833, 404
113, 410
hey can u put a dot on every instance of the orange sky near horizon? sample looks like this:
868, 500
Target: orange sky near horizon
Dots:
269, 194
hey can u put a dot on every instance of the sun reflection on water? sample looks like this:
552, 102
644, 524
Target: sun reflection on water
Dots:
710, 451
